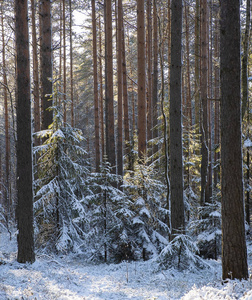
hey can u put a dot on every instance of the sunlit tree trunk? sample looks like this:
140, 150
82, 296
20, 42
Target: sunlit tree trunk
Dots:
101, 91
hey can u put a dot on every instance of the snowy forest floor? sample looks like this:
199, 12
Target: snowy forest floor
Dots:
68, 277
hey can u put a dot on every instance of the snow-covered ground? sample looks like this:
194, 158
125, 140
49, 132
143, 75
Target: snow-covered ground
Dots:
68, 277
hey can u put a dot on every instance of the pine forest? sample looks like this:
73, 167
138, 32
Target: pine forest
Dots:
126, 140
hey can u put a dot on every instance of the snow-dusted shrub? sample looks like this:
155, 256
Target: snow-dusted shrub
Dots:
110, 237
59, 205
148, 200
207, 230
180, 253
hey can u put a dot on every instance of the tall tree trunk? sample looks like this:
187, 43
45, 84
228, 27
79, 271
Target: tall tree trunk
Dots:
101, 91
216, 107
109, 101
176, 152
197, 65
149, 75
234, 252
37, 125
141, 94
155, 76
46, 62
204, 120
125, 97
71, 64
24, 210
245, 100
6, 193
96, 96
64, 61
244, 74
120, 91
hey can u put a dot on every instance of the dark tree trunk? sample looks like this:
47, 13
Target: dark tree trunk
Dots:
141, 94
96, 96
176, 154
46, 63
37, 125
204, 115
155, 76
109, 101
234, 252
6, 191
24, 210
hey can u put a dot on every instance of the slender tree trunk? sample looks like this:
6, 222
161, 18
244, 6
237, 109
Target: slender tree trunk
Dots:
142, 136
37, 126
204, 123
125, 96
234, 252
46, 63
64, 61
155, 76
120, 91
244, 74
101, 91
176, 152
6, 193
197, 65
109, 101
216, 107
245, 99
24, 210
96, 96
149, 72
71, 64
209, 191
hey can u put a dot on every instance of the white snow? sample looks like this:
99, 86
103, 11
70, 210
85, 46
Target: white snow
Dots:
70, 277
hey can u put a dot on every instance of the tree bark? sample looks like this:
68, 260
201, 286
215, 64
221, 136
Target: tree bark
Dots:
46, 63
142, 135
120, 91
109, 101
176, 152
24, 210
204, 115
234, 252
6, 191
37, 125
155, 77
96, 96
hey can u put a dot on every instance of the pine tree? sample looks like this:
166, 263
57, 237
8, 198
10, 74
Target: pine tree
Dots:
59, 205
